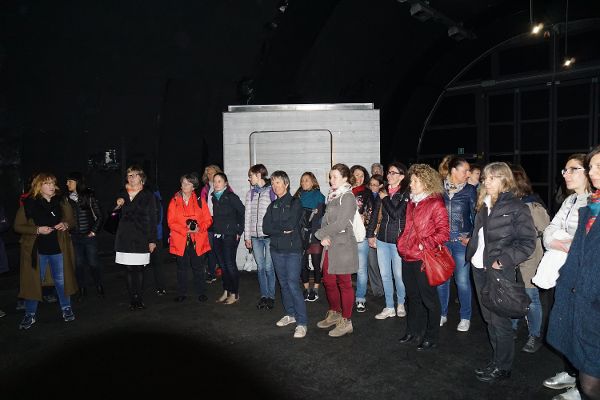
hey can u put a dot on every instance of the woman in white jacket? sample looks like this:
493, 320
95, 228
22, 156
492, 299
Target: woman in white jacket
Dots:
558, 236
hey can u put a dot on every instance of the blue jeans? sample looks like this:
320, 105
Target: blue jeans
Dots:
86, 252
266, 274
390, 266
287, 267
534, 315
57, 271
462, 277
362, 276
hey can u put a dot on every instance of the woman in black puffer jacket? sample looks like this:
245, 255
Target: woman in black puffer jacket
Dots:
504, 236
88, 215
228, 226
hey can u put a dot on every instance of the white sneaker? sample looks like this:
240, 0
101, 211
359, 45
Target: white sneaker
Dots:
463, 325
443, 320
386, 313
300, 332
561, 380
400, 310
286, 320
571, 394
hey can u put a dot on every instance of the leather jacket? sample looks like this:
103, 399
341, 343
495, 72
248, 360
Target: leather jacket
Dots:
461, 211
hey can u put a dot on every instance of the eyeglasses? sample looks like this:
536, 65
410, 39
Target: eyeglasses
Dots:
571, 170
394, 173
131, 175
490, 178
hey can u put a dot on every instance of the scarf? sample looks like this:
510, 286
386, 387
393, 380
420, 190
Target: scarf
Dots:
311, 198
416, 198
392, 191
219, 193
74, 196
594, 206
452, 188
334, 194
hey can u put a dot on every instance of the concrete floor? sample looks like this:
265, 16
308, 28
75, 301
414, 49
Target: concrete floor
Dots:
192, 349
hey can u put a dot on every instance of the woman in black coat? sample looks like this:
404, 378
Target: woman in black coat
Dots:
228, 226
504, 236
136, 235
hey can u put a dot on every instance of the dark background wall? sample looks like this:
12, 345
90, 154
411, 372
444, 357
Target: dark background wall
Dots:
150, 79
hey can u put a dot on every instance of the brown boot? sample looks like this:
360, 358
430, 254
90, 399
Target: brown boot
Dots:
331, 319
232, 299
223, 297
343, 327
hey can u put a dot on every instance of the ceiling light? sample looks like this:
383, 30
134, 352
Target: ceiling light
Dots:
568, 62
537, 28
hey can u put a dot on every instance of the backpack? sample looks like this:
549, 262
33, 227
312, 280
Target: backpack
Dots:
358, 227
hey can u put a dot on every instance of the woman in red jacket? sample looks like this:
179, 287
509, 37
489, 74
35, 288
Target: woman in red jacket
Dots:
426, 227
189, 219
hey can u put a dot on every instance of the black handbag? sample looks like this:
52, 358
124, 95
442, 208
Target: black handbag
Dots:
112, 222
503, 296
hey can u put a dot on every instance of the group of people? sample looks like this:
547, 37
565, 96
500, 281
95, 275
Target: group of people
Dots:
488, 217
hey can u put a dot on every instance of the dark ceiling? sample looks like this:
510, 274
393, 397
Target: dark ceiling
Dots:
154, 76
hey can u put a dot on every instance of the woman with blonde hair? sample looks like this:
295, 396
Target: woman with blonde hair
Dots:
503, 237
43, 221
426, 228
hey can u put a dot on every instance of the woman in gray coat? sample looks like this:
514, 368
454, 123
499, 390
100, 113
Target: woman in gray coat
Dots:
340, 255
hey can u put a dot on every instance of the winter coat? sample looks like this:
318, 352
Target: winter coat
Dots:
541, 219
283, 215
29, 278
177, 215
574, 327
509, 232
336, 226
393, 216
256, 207
461, 210
88, 214
137, 227
567, 217
426, 224
228, 214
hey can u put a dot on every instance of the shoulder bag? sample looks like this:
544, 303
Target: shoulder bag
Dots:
438, 263
503, 296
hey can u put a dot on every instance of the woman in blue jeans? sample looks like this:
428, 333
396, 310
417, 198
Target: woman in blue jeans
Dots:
359, 180
282, 223
43, 222
392, 201
541, 220
460, 198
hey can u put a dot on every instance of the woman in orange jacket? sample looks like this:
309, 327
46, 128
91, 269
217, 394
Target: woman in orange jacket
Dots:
189, 219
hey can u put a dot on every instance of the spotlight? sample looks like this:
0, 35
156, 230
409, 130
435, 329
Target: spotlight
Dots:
568, 62
537, 28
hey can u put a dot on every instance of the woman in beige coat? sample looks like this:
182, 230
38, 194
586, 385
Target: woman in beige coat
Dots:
340, 255
43, 222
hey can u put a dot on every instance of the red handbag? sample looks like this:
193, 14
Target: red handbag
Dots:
438, 263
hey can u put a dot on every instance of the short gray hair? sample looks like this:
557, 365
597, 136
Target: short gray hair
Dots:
283, 176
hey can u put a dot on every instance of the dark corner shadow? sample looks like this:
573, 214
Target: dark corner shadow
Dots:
136, 363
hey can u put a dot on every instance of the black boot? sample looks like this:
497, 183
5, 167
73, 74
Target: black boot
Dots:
81, 294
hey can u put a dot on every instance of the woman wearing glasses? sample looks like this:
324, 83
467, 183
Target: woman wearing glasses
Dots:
503, 237
558, 237
136, 235
574, 327
392, 202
